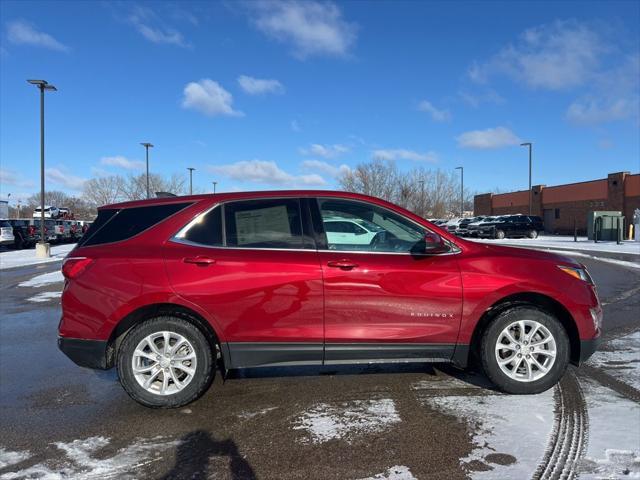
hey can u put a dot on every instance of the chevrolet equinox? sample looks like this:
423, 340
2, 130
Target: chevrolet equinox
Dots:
163, 289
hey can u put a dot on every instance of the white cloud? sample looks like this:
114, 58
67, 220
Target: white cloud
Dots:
122, 162
311, 28
151, 27
259, 86
490, 138
436, 115
403, 154
10, 178
64, 179
324, 167
556, 56
475, 99
20, 32
325, 151
209, 97
265, 172
616, 96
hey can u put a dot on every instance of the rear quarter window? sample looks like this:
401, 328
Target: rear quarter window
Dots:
117, 225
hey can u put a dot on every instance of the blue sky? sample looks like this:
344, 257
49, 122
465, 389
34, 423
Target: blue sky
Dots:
287, 95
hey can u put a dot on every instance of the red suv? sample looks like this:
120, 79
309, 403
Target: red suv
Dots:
164, 288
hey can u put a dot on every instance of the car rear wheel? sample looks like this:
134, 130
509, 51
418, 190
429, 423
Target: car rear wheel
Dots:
165, 362
499, 234
532, 234
525, 351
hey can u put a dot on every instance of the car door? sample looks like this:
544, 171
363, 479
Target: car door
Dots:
252, 267
386, 301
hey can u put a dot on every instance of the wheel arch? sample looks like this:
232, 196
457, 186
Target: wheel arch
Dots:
533, 299
158, 309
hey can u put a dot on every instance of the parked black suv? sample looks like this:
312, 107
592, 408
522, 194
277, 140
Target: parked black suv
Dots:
24, 233
512, 226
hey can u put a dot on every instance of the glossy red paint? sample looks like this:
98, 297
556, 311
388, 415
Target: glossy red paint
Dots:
308, 295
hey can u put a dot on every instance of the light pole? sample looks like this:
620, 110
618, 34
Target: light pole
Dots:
191, 169
214, 186
421, 182
42, 249
146, 146
529, 144
461, 190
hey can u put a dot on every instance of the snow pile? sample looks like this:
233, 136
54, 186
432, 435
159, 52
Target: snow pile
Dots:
567, 243
510, 432
21, 258
613, 449
7, 457
44, 279
83, 460
44, 297
325, 422
397, 472
620, 358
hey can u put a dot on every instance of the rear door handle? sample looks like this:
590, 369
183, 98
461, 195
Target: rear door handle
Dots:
343, 264
200, 261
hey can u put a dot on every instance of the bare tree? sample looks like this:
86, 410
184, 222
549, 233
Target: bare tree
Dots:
428, 193
104, 190
135, 187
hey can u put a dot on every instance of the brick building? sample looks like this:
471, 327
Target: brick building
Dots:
561, 205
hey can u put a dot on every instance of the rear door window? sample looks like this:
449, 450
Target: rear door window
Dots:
206, 230
268, 223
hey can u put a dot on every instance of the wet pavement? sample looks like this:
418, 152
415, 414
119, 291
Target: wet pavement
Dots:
402, 422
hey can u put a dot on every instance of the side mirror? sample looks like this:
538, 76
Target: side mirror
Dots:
434, 243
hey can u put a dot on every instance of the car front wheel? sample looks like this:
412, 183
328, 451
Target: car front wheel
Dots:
499, 234
525, 351
165, 362
532, 234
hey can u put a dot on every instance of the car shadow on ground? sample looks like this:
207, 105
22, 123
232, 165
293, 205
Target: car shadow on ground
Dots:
195, 452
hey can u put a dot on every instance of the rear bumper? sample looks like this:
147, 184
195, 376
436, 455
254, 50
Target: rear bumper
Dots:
87, 353
588, 348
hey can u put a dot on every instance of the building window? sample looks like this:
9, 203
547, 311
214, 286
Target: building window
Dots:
557, 213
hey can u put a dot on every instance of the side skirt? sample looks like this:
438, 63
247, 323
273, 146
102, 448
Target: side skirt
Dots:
265, 354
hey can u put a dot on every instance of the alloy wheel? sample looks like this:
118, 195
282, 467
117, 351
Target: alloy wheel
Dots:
525, 350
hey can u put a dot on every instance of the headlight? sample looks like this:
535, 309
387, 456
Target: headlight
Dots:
579, 273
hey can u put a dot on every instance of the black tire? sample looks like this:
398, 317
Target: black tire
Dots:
490, 363
532, 234
499, 234
18, 242
205, 363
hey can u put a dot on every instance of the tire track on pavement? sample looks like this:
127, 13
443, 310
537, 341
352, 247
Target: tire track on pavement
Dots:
568, 440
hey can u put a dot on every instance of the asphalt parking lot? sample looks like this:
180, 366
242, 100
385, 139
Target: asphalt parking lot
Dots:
395, 422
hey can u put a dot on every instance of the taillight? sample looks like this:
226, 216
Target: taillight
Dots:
74, 266
32, 230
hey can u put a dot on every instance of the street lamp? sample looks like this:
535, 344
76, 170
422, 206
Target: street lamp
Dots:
214, 186
43, 248
146, 146
191, 169
529, 144
421, 182
461, 190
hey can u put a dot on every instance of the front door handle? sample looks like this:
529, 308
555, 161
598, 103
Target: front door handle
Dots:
200, 261
343, 264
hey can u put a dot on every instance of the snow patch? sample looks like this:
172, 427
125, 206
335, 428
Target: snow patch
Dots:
44, 279
44, 297
621, 359
509, 432
325, 422
613, 449
566, 242
250, 415
397, 472
81, 462
7, 457
21, 258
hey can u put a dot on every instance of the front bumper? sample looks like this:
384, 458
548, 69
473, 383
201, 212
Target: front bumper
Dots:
588, 348
87, 353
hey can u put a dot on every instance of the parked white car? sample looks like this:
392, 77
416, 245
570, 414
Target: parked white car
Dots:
49, 212
346, 231
6, 233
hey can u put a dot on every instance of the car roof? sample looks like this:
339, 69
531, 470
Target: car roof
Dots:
227, 196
